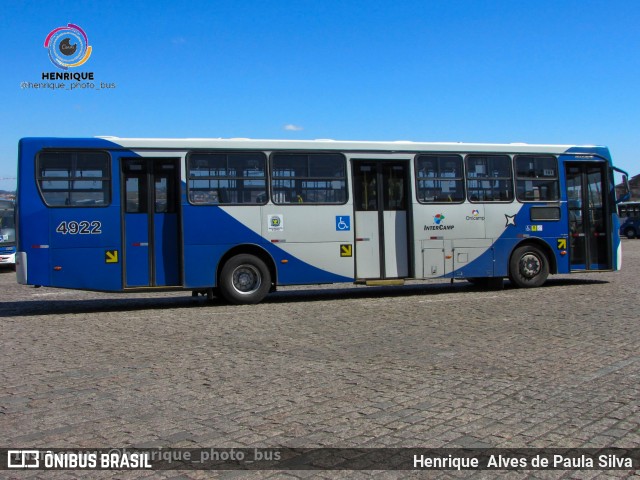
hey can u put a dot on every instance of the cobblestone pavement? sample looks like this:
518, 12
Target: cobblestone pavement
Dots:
428, 365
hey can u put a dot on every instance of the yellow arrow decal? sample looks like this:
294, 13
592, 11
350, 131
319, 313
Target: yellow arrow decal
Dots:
562, 244
111, 256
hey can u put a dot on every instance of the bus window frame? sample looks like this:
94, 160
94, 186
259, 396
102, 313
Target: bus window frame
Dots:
461, 179
188, 178
516, 178
309, 153
109, 179
487, 178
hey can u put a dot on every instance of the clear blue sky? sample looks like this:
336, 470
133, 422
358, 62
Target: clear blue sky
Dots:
545, 71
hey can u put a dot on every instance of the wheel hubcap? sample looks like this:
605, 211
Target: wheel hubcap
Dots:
530, 265
246, 279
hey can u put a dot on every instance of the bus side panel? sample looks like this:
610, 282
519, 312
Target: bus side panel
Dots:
35, 243
522, 228
200, 264
76, 240
209, 232
461, 228
84, 248
473, 258
32, 238
314, 235
507, 226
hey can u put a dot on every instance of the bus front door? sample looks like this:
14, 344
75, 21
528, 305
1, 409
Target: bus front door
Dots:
587, 202
151, 209
381, 196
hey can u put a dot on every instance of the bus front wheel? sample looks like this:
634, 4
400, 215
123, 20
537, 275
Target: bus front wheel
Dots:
529, 267
244, 279
630, 232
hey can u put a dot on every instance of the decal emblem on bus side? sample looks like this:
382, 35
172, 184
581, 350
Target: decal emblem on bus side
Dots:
275, 223
343, 223
511, 220
439, 225
111, 256
475, 215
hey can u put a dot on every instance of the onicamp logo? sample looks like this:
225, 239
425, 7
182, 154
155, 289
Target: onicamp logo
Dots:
475, 215
68, 46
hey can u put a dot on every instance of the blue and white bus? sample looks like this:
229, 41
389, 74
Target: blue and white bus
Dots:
629, 213
7, 234
241, 217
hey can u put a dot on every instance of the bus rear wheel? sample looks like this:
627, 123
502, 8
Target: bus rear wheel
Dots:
529, 267
244, 279
630, 232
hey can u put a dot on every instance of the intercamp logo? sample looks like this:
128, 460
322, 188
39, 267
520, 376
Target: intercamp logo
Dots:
437, 220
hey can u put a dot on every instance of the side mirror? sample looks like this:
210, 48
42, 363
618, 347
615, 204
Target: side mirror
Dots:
627, 189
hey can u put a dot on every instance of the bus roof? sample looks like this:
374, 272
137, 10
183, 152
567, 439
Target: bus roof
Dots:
320, 144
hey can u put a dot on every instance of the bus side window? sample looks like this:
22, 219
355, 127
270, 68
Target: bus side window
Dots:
439, 178
74, 178
226, 178
308, 178
537, 178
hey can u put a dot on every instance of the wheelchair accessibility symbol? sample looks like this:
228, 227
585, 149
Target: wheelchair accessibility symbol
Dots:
343, 224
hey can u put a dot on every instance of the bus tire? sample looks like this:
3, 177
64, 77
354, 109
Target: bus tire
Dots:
528, 267
244, 279
630, 232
